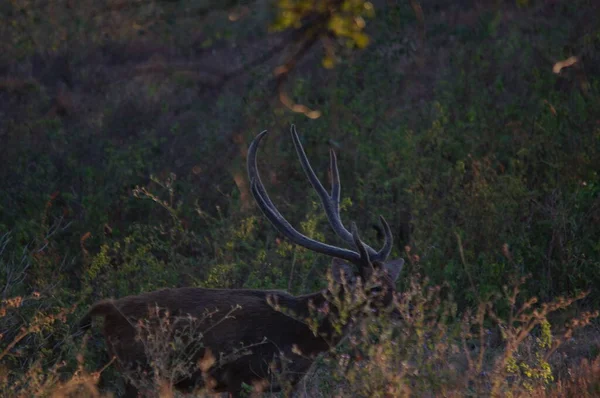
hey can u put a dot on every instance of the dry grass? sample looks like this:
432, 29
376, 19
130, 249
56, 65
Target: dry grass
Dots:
432, 352
427, 351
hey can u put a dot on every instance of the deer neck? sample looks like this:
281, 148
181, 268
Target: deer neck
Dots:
322, 316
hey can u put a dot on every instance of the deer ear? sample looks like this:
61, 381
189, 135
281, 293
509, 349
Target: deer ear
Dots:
394, 267
342, 271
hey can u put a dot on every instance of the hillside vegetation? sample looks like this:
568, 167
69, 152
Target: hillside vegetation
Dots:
473, 127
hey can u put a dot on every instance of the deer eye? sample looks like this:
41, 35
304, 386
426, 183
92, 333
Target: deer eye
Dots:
377, 289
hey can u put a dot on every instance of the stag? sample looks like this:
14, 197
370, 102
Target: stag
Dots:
271, 324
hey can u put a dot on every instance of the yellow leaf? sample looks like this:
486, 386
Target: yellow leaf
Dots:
328, 63
369, 9
360, 39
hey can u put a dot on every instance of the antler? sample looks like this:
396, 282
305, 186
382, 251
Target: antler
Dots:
364, 254
331, 203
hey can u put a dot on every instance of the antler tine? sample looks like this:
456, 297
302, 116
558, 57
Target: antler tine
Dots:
362, 249
279, 222
386, 249
335, 180
331, 204
253, 175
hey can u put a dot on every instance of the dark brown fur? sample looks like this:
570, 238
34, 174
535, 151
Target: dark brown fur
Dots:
270, 333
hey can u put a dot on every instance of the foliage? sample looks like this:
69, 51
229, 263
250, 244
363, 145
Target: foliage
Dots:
428, 350
123, 171
340, 19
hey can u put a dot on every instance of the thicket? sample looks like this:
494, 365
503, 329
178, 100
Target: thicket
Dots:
123, 164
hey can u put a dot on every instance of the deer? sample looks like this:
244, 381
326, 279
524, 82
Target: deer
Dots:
271, 323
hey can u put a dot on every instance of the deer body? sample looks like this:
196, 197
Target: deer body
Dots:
255, 323
272, 325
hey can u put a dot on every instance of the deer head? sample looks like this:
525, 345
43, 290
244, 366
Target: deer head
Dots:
365, 259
